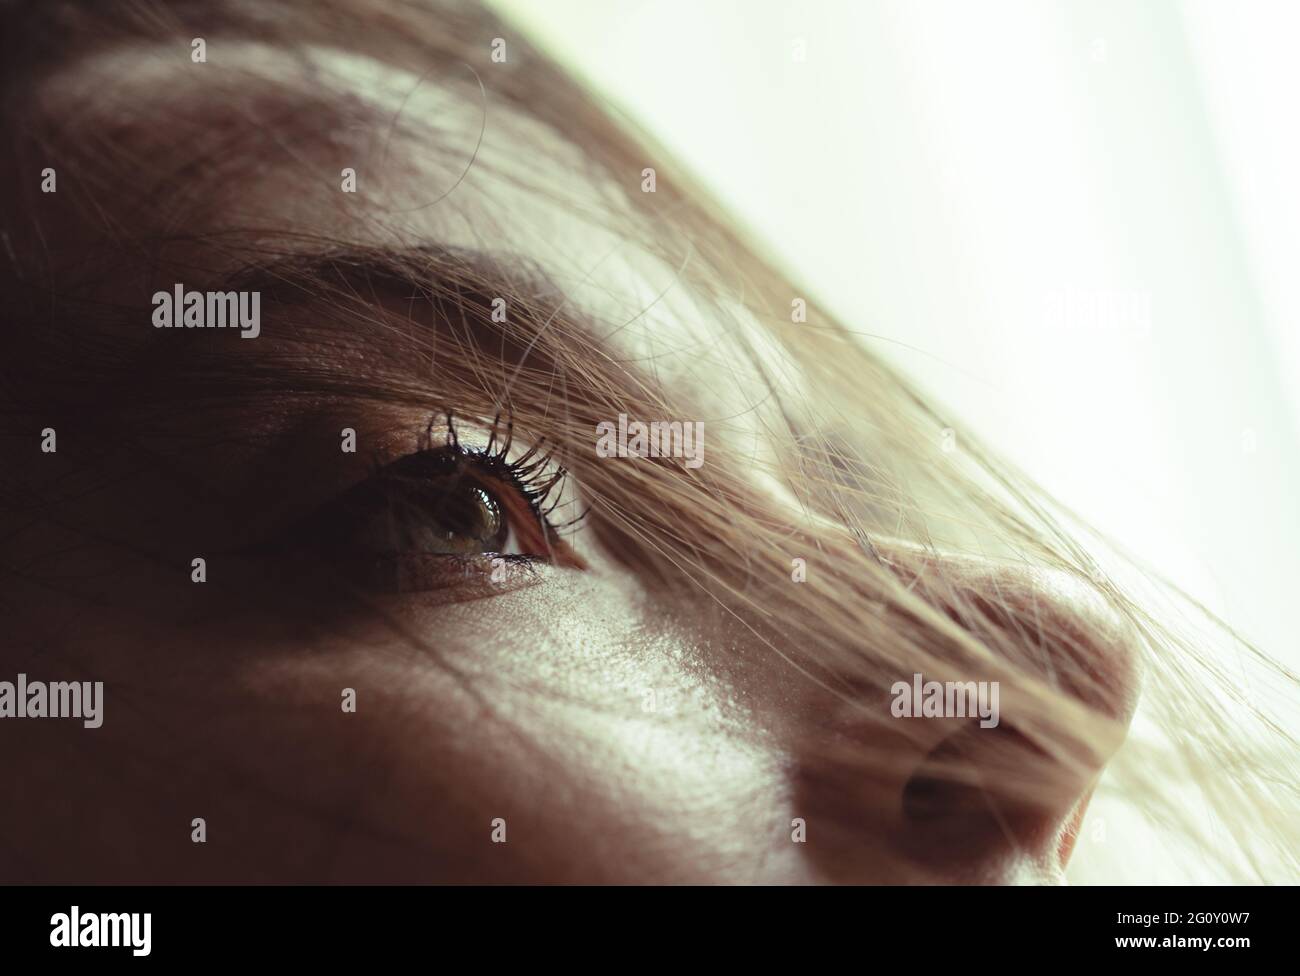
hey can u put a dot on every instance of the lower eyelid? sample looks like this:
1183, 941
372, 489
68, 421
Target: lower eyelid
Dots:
454, 579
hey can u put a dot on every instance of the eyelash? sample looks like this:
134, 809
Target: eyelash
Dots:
340, 529
524, 474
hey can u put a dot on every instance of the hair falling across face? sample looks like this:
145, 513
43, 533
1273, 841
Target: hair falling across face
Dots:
364, 594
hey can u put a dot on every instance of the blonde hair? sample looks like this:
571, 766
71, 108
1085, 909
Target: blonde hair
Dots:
838, 457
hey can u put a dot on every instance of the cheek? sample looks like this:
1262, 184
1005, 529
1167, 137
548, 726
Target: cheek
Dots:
556, 720
568, 731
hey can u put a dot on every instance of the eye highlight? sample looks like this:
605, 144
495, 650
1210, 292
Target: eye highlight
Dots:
445, 514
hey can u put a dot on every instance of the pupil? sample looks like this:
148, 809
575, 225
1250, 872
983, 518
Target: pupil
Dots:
468, 518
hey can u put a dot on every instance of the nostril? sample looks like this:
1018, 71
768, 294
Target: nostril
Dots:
974, 797
946, 785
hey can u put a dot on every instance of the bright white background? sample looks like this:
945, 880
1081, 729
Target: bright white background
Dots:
1076, 224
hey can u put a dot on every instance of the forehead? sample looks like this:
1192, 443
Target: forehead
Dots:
260, 137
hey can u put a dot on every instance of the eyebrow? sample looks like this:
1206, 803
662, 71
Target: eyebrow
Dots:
332, 331
425, 271
91, 350
461, 288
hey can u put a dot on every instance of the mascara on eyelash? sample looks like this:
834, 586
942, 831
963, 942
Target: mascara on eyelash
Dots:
523, 472
448, 516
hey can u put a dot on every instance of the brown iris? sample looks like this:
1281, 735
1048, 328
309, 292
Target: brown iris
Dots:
462, 518
426, 504
451, 514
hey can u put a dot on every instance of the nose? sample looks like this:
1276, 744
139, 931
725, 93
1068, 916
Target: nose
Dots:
971, 754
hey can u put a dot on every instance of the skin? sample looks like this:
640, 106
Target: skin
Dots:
527, 704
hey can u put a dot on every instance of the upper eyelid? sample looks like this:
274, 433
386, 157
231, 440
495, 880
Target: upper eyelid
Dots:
521, 462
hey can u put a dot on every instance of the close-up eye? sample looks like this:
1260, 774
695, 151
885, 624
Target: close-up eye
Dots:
445, 512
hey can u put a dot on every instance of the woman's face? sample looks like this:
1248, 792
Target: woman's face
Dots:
571, 721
